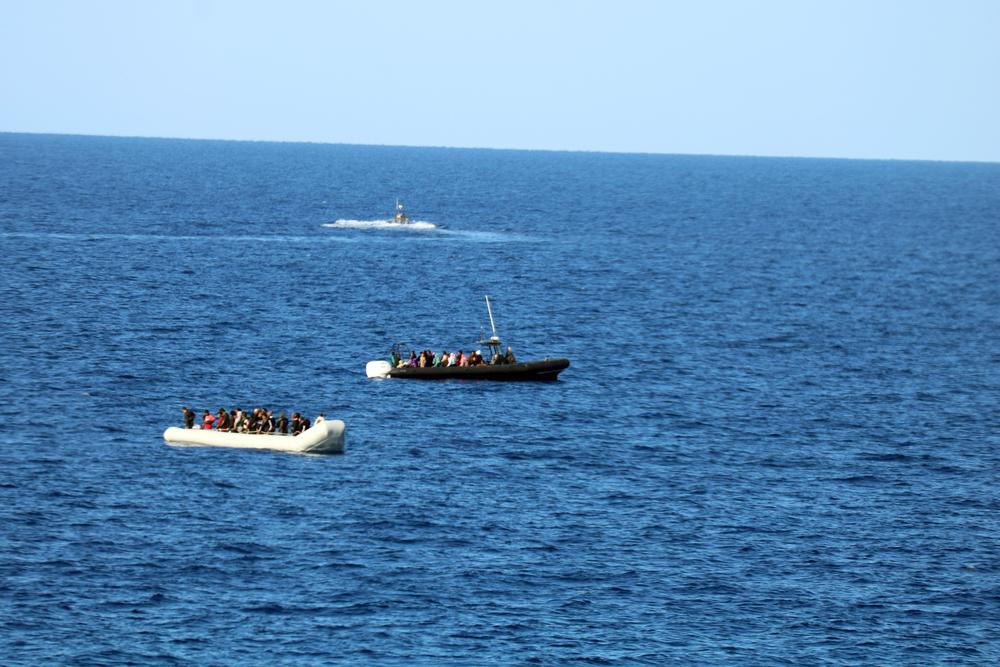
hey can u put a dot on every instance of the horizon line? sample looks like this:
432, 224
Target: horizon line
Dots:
495, 148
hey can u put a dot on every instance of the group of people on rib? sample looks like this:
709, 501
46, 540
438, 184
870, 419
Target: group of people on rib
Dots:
260, 421
428, 359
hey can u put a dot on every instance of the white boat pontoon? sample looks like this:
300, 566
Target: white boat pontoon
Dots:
323, 437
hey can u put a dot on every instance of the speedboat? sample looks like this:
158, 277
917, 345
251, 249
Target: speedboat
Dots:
323, 437
498, 366
399, 220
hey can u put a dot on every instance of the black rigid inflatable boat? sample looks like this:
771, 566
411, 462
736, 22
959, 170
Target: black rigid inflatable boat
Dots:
498, 366
544, 370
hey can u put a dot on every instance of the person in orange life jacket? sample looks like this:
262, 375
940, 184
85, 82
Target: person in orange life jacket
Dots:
207, 420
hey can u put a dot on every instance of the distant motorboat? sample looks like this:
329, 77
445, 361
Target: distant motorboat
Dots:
399, 220
498, 367
323, 437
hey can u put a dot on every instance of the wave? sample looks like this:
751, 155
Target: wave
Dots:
454, 234
380, 224
107, 236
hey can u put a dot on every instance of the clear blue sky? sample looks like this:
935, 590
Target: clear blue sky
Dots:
840, 78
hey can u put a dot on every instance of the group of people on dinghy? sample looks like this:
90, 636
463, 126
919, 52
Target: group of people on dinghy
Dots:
260, 421
427, 359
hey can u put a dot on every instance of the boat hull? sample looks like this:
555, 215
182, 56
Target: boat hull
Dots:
546, 370
323, 437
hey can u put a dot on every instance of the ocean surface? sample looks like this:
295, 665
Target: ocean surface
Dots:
778, 442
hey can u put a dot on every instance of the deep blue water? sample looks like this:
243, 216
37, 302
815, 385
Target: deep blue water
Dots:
778, 441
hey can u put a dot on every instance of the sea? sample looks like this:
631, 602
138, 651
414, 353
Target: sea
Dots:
777, 443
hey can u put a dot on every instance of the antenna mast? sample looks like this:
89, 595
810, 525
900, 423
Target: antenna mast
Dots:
489, 310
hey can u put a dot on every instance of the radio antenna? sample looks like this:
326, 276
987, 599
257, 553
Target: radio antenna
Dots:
489, 309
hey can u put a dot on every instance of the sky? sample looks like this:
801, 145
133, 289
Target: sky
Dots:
840, 78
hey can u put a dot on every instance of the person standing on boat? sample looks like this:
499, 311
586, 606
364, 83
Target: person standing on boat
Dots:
188, 417
510, 356
282, 423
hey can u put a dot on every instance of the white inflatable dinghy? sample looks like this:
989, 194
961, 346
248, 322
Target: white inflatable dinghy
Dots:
323, 437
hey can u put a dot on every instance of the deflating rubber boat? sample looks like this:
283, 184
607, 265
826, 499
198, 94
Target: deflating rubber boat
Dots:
323, 437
